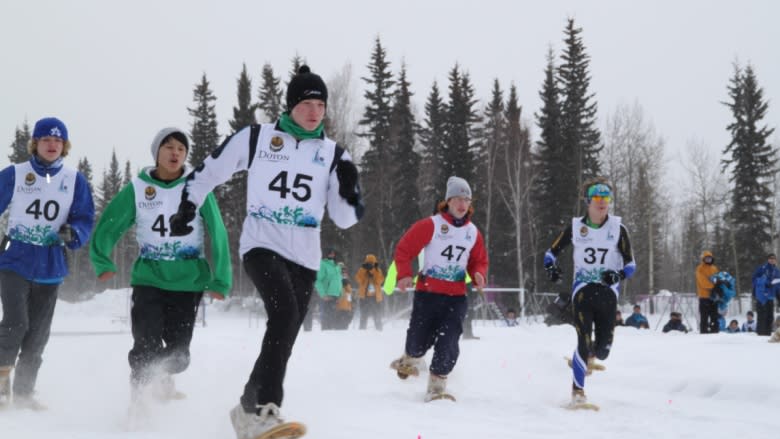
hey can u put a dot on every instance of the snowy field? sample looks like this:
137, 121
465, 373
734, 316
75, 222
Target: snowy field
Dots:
510, 384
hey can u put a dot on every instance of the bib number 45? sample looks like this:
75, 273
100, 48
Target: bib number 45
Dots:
300, 189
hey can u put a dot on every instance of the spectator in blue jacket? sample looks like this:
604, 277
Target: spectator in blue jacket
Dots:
636, 319
675, 323
50, 209
750, 324
766, 283
733, 327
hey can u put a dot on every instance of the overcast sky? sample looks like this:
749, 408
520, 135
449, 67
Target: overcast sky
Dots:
117, 72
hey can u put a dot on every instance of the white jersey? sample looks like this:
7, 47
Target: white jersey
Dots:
447, 254
40, 205
288, 185
595, 251
154, 206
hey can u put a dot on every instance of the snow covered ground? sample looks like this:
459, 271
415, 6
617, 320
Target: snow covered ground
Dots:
510, 384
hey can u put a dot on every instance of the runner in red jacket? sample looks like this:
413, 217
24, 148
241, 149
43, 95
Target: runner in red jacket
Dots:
452, 246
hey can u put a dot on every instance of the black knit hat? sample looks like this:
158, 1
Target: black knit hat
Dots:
305, 85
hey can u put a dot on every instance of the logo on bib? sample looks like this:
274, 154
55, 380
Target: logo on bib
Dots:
150, 193
584, 231
29, 179
277, 143
318, 159
444, 229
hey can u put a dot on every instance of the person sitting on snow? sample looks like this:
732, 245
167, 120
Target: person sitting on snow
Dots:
675, 323
637, 319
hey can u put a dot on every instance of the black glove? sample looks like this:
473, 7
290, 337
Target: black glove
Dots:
180, 220
347, 174
610, 277
553, 273
66, 233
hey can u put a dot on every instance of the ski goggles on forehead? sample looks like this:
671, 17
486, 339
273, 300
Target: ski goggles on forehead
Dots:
600, 192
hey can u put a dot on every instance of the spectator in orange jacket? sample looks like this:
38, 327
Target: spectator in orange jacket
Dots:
344, 303
708, 308
370, 279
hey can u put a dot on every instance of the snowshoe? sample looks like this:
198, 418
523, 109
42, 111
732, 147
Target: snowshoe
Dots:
266, 423
406, 366
580, 402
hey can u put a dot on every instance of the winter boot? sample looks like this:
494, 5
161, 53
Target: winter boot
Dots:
437, 388
579, 401
406, 366
578, 396
29, 402
5, 385
265, 423
164, 389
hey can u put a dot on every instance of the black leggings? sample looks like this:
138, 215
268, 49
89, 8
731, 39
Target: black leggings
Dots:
285, 288
593, 305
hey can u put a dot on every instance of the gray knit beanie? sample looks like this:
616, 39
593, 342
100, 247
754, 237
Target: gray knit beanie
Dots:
162, 137
457, 187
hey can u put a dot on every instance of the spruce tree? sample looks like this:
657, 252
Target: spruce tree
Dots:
19, 152
295, 65
461, 122
404, 167
270, 95
494, 133
516, 160
581, 138
111, 184
203, 135
244, 111
374, 171
86, 168
752, 162
433, 140
554, 181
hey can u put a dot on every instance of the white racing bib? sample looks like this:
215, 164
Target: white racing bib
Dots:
154, 206
40, 206
595, 250
447, 255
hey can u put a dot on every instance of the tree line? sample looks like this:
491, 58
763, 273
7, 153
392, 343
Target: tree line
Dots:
525, 189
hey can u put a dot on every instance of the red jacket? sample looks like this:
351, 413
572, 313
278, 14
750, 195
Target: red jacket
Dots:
416, 238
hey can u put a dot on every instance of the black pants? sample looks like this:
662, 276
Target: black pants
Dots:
28, 308
765, 316
437, 321
308, 320
162, 324
328, 312
708, 311
369, 307
594, 306
286, 289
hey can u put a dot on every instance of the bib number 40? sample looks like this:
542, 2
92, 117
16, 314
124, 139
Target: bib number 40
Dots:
49, 210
